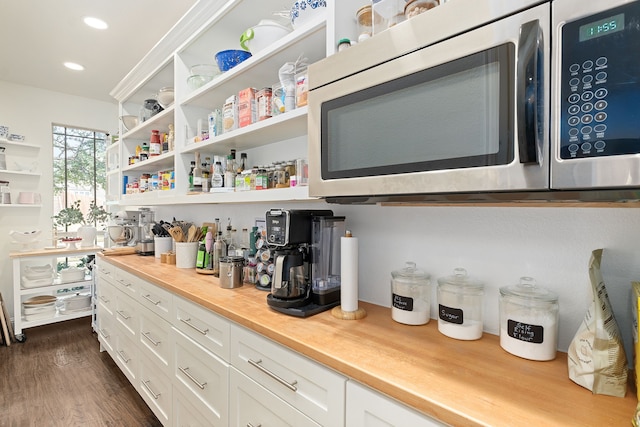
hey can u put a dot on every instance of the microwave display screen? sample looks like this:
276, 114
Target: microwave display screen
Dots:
602, 27
453, 115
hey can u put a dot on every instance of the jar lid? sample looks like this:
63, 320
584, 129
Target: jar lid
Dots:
410, 272
461, 279
344, 40
528, 290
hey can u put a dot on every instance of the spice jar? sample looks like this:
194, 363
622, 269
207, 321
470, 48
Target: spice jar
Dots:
410, 295
416, 7
364, 17
460, 306
529, 320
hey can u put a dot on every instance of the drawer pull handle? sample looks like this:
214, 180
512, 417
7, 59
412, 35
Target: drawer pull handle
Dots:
125, 359
257, 364
124, 316
104, 300
147, 297
188, 322
251, 425
104, 334
148, 387
195, 381
146, 335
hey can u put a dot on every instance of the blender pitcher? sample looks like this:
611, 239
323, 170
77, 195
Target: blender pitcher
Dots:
325, 268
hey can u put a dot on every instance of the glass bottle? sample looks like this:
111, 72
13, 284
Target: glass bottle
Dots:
232, 247
229, 173
155, 147
206, 182
243, 162
197, 174
193, 166
219, 251
217, 180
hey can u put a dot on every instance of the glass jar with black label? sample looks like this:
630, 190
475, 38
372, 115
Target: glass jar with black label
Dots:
460, 300
529, 320
410, 295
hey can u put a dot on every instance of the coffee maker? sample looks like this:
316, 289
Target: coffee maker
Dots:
306, 259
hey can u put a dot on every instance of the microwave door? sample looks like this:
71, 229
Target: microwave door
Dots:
447, 118
596, 69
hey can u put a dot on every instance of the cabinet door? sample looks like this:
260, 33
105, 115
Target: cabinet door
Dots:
106, 331
106, 299
368, 408
253, 405
202, 376
126, 282
155, 341
126, 314
313, 389
127, 357
155, 388
203, 326
185, 413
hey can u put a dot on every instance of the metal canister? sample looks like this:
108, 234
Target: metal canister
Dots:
231, 272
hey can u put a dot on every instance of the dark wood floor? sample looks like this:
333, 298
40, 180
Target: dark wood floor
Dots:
58, 377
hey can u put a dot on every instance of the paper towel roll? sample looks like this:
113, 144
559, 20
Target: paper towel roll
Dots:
349, 273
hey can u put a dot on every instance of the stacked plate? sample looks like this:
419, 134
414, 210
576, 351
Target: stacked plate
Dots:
36, 276
39, 307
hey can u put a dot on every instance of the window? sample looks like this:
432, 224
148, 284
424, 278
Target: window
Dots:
79, 168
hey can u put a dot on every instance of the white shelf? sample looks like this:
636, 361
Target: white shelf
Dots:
56, 286
20, 205
154, 163
279, 128
160, 122
17, 144
153, 198
58, 317
23, 173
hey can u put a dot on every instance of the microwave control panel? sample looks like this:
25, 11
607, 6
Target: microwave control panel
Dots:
600, 84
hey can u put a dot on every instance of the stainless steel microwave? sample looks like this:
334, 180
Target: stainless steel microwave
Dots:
483, 100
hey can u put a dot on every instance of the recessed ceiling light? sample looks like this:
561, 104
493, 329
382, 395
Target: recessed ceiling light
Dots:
95, 23
73, 66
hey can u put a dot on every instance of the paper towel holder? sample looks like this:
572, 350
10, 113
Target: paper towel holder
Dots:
349, 279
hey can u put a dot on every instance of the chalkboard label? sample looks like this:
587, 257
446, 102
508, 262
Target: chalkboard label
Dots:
525, 332
451, 315
403, 303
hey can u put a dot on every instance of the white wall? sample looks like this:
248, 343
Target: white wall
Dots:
31, 112
495, 244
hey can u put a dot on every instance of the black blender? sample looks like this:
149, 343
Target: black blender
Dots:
300, 252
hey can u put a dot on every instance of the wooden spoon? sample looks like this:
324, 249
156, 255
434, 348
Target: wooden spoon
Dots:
191, 235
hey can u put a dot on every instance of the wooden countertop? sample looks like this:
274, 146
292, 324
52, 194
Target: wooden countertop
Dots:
470, 383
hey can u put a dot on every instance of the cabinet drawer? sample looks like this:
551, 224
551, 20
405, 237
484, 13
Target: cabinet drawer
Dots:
155, 388
187, 412
155, 299
126, 314
106, 330
203, 326
105, 294
368, 408
105, 269
126, 282
155, 339
202, 376
127, 356
313, 389
253, 405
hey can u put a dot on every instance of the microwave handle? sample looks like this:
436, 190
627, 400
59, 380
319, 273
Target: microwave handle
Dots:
529, 91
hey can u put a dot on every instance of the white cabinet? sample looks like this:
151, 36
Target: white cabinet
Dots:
368, 408
312, 389
205, 30
253, 405
156, 389
24, 288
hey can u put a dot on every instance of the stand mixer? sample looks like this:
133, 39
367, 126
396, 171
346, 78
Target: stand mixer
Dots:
124, 232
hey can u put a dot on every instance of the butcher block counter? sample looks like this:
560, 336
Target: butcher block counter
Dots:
462, 383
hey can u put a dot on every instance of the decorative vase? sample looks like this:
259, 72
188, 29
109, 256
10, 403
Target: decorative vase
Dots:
88, 234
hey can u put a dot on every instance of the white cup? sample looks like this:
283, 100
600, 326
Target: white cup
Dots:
186, 254
162, 244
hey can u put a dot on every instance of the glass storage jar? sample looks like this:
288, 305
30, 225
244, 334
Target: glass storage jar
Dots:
416, 7
529, 320
410, 295
460, 300
388, 13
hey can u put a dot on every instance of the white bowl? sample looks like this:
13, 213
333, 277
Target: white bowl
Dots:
303, 11
25, 236
262, 35
129, 122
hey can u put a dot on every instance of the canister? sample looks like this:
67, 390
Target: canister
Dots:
460, 301
529, 320
416, 7
231, 274
410, 295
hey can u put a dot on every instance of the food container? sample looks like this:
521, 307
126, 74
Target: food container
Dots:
364, 19
416, 7
388, 13
71, 274
231, 272
302, 88
263, 100
410, 295
460, 301
165, 97
529, 320
262, 35
77, 302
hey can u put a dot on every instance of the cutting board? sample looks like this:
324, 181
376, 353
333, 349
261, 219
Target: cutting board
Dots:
125, 250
